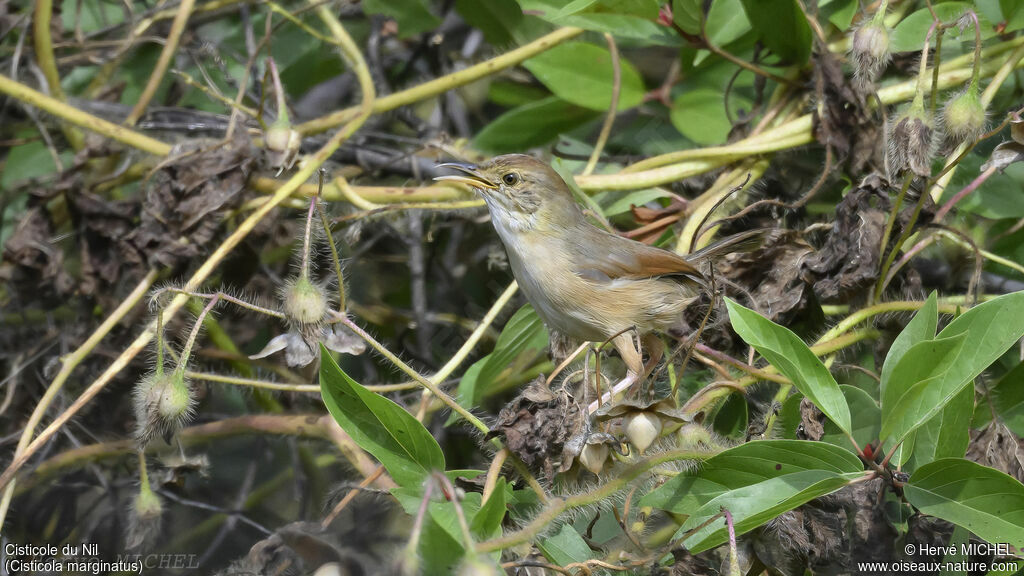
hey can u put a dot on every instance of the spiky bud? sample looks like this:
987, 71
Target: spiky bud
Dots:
911, 140
593, 456
642, 429
964, 116
163, 404
144, 519
869, 51
693, 435
305, 303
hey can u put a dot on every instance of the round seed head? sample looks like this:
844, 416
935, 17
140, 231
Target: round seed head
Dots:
869, 51
304, 302
593, 456
642, 429
163, 404
964, 117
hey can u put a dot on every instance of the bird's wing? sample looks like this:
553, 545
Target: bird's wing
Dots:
611, 257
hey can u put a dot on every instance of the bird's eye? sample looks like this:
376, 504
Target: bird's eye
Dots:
510, 179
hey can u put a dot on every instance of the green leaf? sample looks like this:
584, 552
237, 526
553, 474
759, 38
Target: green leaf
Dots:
745, 465
523, 332
700, 115
379, 426
920, 328
754, 505
27, 161
792, 357
782, 27
621, 203
497, 19
487, 522
581, 73
530, 125
413, 16
920, 385
566, 547
909, 34
688, 15
727, 21
1008, 399
731, 417
987, 502
839, 12
441, 544
932, 378
625, 26
867, 420
1013, 15
947, 434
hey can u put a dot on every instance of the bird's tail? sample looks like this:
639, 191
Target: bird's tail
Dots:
743, 242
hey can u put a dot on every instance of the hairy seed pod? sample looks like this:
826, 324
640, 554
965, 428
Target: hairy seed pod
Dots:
593, 456
147, 504
693, 436
163, 405
304, 302
964, 116
911, 141
869, 51
642, 429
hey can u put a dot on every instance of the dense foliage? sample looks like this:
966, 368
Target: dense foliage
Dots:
244, 330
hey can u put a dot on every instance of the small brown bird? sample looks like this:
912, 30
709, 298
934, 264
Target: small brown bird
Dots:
585, 282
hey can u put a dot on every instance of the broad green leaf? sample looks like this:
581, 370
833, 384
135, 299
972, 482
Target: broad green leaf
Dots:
726, 22
920, 328
572, 7
788, 421
732, 416
688, 15
530, 125
413, 16
27, 161
581, 73
91, 15
523, 332
933, 378
497, 19
839, 12
909, 34
956, 542
752, 506
1008, 399
867, 420
566, 547
625, 26
700, 115
784, 350
641, 8
782, 27
441, 543
487, 522
745, 465
920, 385
987, 502
379, 426
947, 434
621, 203
1013, 15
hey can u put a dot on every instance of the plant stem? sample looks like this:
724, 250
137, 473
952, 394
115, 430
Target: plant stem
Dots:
160, 70
613, 106
445, 83
558, 506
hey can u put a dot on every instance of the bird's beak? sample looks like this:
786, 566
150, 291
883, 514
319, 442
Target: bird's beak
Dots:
470, 176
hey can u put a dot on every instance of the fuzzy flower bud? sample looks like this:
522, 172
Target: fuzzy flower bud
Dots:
143, 527
964, 116
282, 144
869, 49
911, 140
642, 429
304, 302
163, 404
593, 456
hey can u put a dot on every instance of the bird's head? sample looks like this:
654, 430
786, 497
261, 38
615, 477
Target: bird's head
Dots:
521, 192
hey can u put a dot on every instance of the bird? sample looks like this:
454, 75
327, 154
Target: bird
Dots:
585, 282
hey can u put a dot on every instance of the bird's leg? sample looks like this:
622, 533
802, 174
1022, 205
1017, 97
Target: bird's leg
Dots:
630, 354
656, 350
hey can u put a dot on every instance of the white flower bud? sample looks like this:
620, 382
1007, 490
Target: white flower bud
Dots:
642, 429
593, 456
